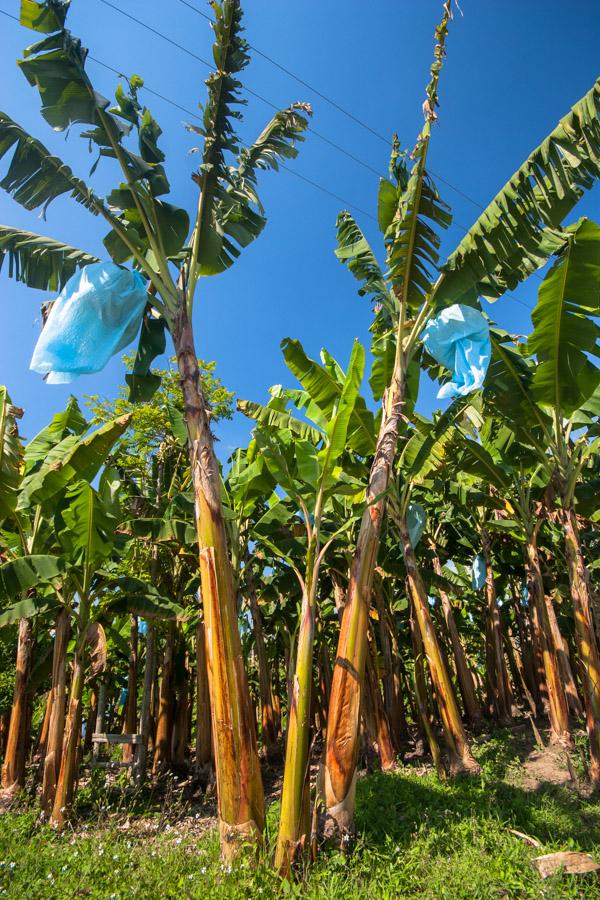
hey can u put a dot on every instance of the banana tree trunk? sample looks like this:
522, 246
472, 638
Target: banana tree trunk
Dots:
515, 660
294, 819
394, 708
585, 636
181, 719
463, 672
166, 703
343, 732
564, 662
13, 770
57, 716
460, 756
557, 700
527, 650
420, 685
381, 725
538, 658
65, 786
146, 709
130, 718
497, 674
239, 781
269, 733
203, 723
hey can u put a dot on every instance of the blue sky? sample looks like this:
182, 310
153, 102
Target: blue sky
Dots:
513, 69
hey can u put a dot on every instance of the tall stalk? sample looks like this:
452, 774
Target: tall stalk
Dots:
294, 815
341, 750
13, 770
557, 700
463, 672
57, 715
585, 636
239, 781
496, 664
461, 758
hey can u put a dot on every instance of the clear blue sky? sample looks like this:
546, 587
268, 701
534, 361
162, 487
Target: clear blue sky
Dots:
513, 69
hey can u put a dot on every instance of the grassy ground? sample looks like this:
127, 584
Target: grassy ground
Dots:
418, 838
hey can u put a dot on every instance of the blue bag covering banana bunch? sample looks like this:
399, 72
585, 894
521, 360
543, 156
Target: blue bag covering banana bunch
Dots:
459, 339
97, 314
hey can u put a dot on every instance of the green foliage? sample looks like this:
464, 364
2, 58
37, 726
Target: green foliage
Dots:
38, 261
564, 331
73, 457
518, 231
417, 838
151, 421
10, 454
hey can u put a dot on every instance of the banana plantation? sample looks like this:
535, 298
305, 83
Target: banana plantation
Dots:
362, 602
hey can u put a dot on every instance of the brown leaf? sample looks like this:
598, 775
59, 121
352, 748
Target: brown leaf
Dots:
96, 639
572, 862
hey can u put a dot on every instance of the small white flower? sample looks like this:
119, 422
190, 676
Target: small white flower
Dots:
115, 856
190, 877
64, 868
12, 865
178, 841
101, 851
203, 870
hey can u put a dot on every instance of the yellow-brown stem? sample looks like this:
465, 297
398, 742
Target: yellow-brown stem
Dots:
57, 716
459, 751
13, 770
463, 672
557, 701
585, 636
239, 782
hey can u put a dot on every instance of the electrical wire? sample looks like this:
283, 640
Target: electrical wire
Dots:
173, 103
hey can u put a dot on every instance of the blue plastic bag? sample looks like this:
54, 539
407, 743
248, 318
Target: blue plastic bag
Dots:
142, 627
459, 338
415, 522
478, 572
97, 313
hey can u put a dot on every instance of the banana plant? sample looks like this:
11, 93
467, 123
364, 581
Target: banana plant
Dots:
173, 254
307, 464
517, 481
426, 453
547, 391
513, 237
36, 479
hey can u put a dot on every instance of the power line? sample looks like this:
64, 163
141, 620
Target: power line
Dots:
300, 80
248, 90
195, 115
275, 107
334, 104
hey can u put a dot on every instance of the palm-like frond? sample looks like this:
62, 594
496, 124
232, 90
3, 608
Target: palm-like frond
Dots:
39, 261
230, 212
11, 454
274, 417
277, 141
35, 177
564, 330
411, 238
355, 251
518, 231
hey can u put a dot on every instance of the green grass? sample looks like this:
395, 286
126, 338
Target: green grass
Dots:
418, 838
